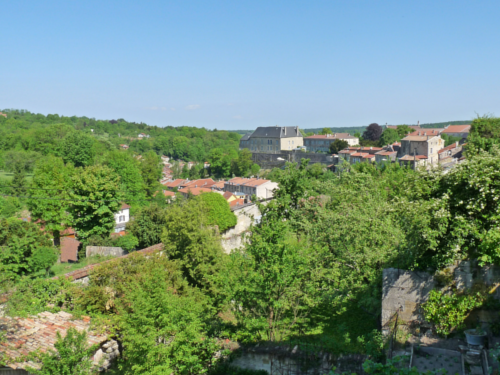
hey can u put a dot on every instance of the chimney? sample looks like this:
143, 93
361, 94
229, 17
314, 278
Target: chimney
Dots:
285, 129
425, 133
419, 133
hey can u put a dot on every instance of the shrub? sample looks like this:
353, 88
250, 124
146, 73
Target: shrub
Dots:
31, 297
219, 212
448, 311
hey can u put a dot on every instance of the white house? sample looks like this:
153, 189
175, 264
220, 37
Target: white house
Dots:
142, 135
122, 217
263, 189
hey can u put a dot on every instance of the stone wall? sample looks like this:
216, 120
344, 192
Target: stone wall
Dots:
104, 251
270, 160
404, 291
105, 355
233, 237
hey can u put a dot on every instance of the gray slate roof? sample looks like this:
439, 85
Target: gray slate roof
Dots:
277, 132
246, 137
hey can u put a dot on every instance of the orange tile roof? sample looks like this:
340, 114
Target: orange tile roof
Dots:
175, 183
218, 185
368, 156
426, 132
237, 202
206, 182
27, 335
195, 191
168, 193
255, 182
457, 129
386, 153
124, 206
450, 147
411, 157
227, 195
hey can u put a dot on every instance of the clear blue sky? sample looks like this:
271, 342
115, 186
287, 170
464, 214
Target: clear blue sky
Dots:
241, 64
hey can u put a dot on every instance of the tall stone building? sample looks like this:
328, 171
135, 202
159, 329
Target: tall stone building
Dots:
272, 139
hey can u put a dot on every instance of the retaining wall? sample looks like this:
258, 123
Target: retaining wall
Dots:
105, 251
267, 161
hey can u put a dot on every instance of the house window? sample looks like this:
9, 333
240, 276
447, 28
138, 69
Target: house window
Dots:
431, 150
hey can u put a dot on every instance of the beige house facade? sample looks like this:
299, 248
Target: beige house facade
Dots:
263, 189
421, 143
273, 139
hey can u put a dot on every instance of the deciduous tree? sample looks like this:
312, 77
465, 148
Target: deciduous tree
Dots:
95, 198
373, 132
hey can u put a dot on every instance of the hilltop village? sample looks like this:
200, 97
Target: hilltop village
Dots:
127, 248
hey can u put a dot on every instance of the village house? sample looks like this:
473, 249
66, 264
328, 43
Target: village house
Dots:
3, 114
425, 143
263, 189
448, 153
229, 196
272, 139
461, 131
414, 161
386, 155
360, 157
321, 143
122, 217
124, 147
142, 135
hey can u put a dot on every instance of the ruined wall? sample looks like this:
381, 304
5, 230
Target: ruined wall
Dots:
404, 291
268, 161
233, 237
104, 251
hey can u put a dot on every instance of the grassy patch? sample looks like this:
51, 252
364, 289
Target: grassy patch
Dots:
63, 268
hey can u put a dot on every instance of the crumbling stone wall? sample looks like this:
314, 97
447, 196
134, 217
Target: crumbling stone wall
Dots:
233, 237
404, 291
106, 354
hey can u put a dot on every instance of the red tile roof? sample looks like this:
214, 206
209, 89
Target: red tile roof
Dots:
206, 182
426, 132
168, 193
218, 185
26, 335
386, 153
237, 202
457, 129
227, 195
124, 206
195, 191
175, 183
450, 147
411, 157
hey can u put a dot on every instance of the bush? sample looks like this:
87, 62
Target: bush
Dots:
448, 311
72, 356
219, 212
31, 297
